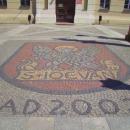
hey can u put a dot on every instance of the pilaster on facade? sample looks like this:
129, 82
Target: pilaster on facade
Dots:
45, 11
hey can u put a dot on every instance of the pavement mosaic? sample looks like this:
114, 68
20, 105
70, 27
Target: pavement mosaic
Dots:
64, 68
59, 77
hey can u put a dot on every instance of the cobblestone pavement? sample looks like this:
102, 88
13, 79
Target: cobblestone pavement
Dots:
74, 71
123, 29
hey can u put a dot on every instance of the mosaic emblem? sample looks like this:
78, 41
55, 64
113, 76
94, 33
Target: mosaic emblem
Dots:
62, 68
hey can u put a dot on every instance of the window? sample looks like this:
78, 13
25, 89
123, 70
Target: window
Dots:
3, 3
127, 5
25, 3
104, 4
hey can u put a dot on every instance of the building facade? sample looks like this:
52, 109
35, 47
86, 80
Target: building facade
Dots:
71, 11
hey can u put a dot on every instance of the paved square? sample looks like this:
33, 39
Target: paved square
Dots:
76, 74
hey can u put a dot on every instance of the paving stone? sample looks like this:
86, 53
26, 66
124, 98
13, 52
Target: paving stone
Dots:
40, 123
13, 123
95, 124
68, 123
119, 123
16, 99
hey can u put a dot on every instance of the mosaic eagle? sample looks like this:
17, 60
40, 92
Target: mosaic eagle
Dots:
70, 55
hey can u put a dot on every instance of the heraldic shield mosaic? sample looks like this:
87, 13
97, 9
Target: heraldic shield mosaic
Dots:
66, 68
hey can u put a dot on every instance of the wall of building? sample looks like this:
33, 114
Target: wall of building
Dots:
114, 15
87, 11
14, 13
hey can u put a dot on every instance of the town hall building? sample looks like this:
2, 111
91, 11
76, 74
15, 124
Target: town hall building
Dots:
65, 11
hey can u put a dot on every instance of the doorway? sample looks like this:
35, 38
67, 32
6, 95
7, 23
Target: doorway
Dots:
65, 11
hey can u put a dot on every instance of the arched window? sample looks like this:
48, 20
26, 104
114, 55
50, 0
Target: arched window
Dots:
25, 2
127, 5
3, 3
105, 4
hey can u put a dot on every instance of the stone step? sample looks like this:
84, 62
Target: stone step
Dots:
49, 16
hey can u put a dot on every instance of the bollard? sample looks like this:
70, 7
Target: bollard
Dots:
100, 19
29, 18
127, 37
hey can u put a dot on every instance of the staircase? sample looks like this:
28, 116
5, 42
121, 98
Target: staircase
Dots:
49, 16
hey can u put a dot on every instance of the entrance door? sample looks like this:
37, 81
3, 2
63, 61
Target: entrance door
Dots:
65, 11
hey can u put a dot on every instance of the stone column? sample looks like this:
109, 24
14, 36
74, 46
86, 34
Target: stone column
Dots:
91, 10
39, 8
91, 5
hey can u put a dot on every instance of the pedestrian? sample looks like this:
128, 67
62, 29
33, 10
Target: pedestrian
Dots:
29, 18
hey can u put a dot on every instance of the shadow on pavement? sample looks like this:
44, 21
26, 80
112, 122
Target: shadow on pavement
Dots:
92, 42
103, 37
114, 84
